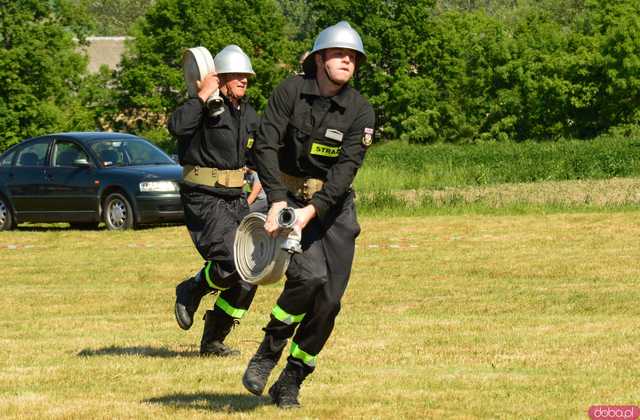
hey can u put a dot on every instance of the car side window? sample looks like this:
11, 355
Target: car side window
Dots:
68, 154
6, 160
33, 155
138, 153
110, 156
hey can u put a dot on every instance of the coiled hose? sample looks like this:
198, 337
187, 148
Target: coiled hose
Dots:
259, 258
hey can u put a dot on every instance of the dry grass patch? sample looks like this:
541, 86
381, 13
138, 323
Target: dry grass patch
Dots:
450, 316
613, 192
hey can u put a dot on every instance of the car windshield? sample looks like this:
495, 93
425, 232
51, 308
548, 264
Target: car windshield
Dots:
129, 152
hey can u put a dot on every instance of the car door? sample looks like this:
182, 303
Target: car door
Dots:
25, 179
71, 186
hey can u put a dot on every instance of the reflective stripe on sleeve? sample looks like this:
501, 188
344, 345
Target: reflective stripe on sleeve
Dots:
230, 310
300, 354
286, 317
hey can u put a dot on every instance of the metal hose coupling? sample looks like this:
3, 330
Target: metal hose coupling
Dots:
259, 258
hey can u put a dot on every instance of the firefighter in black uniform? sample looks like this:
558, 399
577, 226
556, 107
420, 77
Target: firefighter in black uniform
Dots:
212, 146
311, 142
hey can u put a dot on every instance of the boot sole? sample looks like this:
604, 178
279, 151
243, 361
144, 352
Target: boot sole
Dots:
257, 392
275, 400
181, 324
233, 353
219, 355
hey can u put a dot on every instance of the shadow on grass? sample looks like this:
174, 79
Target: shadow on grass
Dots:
212, 401
52, 227
146, 351
41, 228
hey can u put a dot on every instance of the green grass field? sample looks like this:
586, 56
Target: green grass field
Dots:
397, 165
446, 316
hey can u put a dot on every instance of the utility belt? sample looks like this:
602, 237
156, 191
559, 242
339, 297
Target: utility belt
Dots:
301, 188
213, 177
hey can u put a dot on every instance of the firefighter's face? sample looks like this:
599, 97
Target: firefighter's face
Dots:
234, 85
339, 63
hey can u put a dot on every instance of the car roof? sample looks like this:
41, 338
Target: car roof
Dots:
82, 136
92, 135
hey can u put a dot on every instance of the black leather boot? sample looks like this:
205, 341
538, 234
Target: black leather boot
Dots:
284, 393
189, 293
217, 325
262, 363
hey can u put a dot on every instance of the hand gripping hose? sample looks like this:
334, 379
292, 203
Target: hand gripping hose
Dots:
260, 259
196, 64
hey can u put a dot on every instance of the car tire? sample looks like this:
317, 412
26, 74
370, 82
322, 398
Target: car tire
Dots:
118, 212
6, 216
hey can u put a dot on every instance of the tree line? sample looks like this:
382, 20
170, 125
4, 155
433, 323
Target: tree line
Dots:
454, 71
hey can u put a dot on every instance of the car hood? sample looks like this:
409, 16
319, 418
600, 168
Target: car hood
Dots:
150, 172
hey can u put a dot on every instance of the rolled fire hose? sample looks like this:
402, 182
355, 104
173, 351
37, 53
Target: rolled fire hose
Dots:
196, 64
259, 258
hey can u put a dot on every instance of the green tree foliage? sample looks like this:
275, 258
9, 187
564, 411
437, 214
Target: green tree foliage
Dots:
116, 17
150, 83
40, 69
391, 32
457, 75
611, 28
437, 70
469, 70
559, 10
301, 16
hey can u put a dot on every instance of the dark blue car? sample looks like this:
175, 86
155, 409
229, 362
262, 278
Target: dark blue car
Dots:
85, 178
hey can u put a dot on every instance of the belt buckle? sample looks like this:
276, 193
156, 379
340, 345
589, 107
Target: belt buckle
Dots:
305, 190
214, 175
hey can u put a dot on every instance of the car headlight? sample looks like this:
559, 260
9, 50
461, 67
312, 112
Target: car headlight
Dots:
159, 186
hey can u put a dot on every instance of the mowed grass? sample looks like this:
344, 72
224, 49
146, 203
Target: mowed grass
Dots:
459, 316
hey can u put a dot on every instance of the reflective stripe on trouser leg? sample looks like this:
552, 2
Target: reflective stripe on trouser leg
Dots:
306, 358
236, 300
229, 309
305, 275
338, 245
207, 276
285, 317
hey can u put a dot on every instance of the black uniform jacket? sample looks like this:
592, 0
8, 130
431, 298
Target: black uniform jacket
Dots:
214, 142
306, 135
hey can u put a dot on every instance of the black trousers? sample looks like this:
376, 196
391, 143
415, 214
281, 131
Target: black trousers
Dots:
212, 221
316, 281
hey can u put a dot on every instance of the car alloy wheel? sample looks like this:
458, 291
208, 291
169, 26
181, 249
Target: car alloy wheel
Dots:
6, 220
118, 213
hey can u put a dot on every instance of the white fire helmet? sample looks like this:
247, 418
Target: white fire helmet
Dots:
231, 59
340, 35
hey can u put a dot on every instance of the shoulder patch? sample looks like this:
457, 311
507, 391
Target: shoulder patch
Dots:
367, 137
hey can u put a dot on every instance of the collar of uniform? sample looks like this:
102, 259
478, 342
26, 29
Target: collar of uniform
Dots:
310, 87
228, 102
